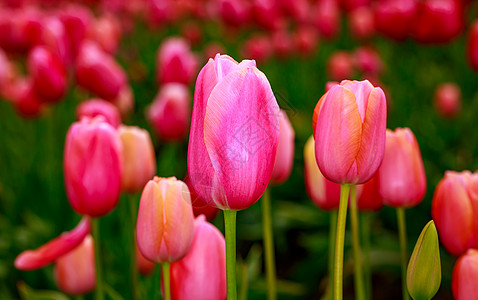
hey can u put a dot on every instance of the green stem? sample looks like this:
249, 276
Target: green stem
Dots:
339, 242
357, 253
230, 229
268, 245
95, 224
333, 230
366, 254
402, 233
133, 268
167, 287
244, 282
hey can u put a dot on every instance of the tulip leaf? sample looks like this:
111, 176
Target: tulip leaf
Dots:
27, 293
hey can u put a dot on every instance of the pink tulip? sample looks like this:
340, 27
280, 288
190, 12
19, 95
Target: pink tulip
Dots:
323, 192
257, 47
285, 151
200, 207
267, 14
27, 103
175, 62
395, 18
447, 100
201, 274
54, 36
465, 276
306, 40
234, 133
124, 102
138, 158
455, 212
326, 18
98, 72
106, 31
76, 19
350, 5
472, 46
402, 177
297, 9
350, 119
361, 23
75, 271
170, 112
282, 43
48, 74
165, 226
368, 195
98, 107
368, 61
19, 29
161, 11
234, 12
48, 253
212, 49
92, 166
340, 66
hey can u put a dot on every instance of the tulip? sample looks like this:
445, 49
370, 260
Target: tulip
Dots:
138, 159
306, 40
92, 165
54, 36
106, 31
257, 47
20, 29
212, 49
27, 103
368, 61
200, 207
369, 198
472, 46
454, 211
267, 14
326, 18
282, 43
394, 18
192, 33
350, 5
75, 271
48, 74
447, 100
402, 176
361, 22
285, 151
234, 12
201, 274
76, 19
98, 107
169, 113
124, 102
340, 66
465, 276
297, 9
161, 11
175, 62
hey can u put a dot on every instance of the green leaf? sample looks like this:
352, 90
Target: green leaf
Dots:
27, 293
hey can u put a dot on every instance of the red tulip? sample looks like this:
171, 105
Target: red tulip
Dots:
165, 228
27, 103
106, 31
161, 11
447, 100
7, 75
98, 107
234, 133
267, 14
297, 9
351, 119
212, 49
350, 5
92, 166
76, 19
201, 274
368, 195
75, 271
19, 29
394, 18
200, 207
472, 46
282, 43
234, 12
465, 276
54, 36
455, 212
192, 33
306, 40
170, 112
340, 66
326, 17
175, 62
361, 22
257, 47
285, 151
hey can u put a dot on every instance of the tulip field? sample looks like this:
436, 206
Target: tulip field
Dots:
238, 149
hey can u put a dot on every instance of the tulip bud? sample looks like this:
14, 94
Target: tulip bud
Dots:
424, 268
75, 271
350, 5
257, 47
394, 18
92, 166
54, 36
361, 22
326, 18
27, 103
165, 226
297, 9
234, 133
350, 119
138, 159
98, 107
175, 62
340, 66
282, 43
200, 207
402, 176
267, 14
106, 31
170, 112
368, 61
234, 12
368, 195
447, 100
285, 151
465, 276
76, 19
323, 192
306, 40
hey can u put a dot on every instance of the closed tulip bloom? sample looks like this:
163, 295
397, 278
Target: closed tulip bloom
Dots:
447, 100
323, 192
282, 43
106, 31
98, 107
465, 276
258, 47
368, 61
75, 271
340, 66
326, 18
350, 5
55, 37
285, 151
234, 133
92, 166
455, 212
234, 12
76, 19
368, 195
267, 14
361, 22
138, 158
349, 127
201, 274
200, 207
175, 62
165, 226
394, 18
306, 40
170, 112
27, 103
402, 176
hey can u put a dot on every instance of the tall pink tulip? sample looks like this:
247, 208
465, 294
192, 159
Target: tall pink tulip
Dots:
349, 127
165, 226
465, 276
98, 107
201, 274
92, 166
402, 175
175, 62
234, 133
285, 151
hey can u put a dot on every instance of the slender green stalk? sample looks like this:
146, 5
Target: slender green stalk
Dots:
357, 253
402, 233
333, 230
366, 254
268, 245
167, 287
339, 242
244, 282
95, 224
230, 229
133, 269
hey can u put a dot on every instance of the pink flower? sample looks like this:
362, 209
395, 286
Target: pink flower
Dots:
447, 100
175, 62
465, 276
394, 18
200, 207
98, 107
368, 195
285, 151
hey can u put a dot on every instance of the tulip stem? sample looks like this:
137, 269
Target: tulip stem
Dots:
167, 287
133, 268
339, 241
333, 230
402, 233
366, 254
95, 224
268, 245
357, 253
230, 230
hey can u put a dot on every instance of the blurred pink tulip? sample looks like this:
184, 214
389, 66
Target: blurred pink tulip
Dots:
201, 274
394, 18
350, 5
55, 37
306, 40
161, 11
51, 251
234, 13
326, 18
106, 32
447, 100
165, 226
169, 114
285, 151
27, 103
361, 22
92, 166
124, 102
175, 62
465, 276
234, 133
200, 207
76, 19
340, 66
282, 43
212, 49
7, 75
403, 180
351, 119
257, 47
368, 61
472, 46
297, 9
98, 107
267, 14
19, 29
368, 195
75, 271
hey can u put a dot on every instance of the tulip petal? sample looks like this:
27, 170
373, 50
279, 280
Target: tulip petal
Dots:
52, 250
361, 90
